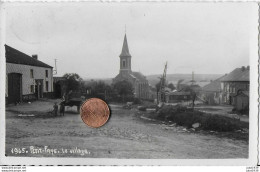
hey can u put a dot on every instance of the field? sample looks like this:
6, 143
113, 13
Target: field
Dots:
32, 131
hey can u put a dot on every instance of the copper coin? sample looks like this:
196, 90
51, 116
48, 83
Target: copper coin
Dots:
94, 112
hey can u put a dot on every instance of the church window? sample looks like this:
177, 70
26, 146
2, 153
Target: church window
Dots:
124, 63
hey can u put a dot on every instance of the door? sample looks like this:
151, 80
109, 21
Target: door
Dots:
14, 87
40, 91
39, 88
230, 100
36, 91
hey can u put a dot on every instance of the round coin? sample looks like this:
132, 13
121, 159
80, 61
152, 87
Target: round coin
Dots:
94, 112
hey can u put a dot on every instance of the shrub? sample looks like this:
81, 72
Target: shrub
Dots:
186, 117
136, 101
220, 123
142, 108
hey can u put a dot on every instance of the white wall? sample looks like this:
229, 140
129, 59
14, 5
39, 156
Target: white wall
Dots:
27, 81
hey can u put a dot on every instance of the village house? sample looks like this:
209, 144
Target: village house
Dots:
27, 78
178, 96
211, 93
137, 79
235, 88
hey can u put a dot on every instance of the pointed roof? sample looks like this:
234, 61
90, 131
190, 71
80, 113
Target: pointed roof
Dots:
125, 50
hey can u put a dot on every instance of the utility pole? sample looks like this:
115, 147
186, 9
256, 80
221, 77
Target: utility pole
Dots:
55, 71
162, 97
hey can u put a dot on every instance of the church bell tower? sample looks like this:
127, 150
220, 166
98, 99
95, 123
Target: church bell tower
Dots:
125, 59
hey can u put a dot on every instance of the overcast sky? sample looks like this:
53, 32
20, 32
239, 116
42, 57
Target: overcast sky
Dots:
87, 38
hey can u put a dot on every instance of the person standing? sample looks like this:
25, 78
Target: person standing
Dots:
62, 108
55, 109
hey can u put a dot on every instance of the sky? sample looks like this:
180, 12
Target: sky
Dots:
87, 38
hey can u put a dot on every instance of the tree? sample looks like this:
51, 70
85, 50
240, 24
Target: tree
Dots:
193, 89
171, 86
98, 89
74, 82
123, 88
101, 89
178, 84
158, 85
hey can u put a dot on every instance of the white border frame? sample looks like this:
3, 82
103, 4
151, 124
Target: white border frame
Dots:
253, 120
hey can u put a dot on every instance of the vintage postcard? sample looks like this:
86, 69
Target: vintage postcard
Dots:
179, 81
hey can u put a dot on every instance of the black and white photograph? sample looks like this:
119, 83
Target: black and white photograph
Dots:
176, 78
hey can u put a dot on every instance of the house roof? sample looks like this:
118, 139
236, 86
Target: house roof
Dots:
214, 85
125, 50
139, 75
180, 93
14, 56
239, 74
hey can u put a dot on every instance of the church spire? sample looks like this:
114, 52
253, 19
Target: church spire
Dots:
125, 50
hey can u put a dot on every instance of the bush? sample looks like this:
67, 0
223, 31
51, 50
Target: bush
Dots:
136, 101
142, 108
220, 123
186, 117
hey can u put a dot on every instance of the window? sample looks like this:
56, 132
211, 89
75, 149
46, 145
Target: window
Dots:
46, 73
32, 88
124, 63
47, 86
31, 73
222, 86
227, 88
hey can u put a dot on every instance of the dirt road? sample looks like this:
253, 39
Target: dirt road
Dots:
124, 136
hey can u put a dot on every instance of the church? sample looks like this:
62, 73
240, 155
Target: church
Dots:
138, 80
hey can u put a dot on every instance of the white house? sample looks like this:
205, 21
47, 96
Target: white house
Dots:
27, 78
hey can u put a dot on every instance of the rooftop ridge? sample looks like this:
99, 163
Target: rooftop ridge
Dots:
17, 57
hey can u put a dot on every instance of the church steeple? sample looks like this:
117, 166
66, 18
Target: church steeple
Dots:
125, 50
125, 58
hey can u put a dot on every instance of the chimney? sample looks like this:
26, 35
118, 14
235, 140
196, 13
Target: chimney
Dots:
35, 56
243, 68
248, 67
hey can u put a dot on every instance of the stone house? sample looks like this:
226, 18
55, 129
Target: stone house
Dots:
27, 78
233, 84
